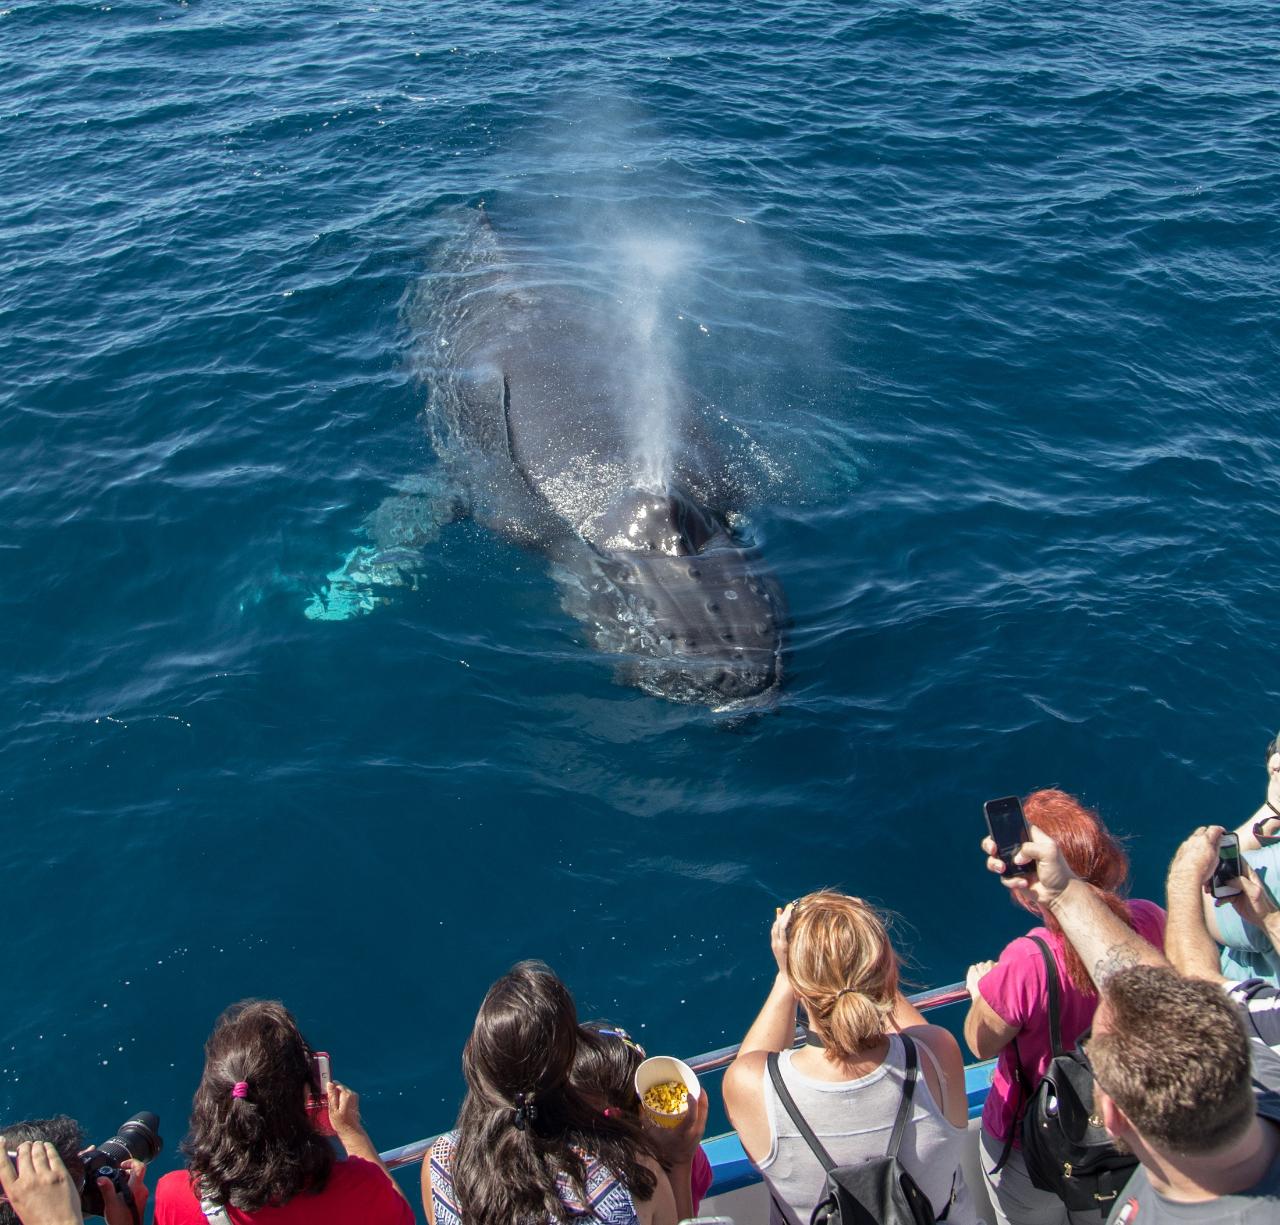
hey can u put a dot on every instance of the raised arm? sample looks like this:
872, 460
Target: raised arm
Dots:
344, 1114
1103, 940
1192, 932
1186, 938
675, 1149
773, 1030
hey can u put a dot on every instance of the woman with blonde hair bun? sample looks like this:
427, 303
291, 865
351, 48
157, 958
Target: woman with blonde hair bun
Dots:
834, 956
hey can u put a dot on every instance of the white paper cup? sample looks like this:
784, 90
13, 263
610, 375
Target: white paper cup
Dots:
659, 1070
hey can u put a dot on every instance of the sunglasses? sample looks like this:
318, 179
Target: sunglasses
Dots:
623, 1037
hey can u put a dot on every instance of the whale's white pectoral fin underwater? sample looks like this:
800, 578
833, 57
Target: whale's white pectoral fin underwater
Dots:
397, 532
574, 439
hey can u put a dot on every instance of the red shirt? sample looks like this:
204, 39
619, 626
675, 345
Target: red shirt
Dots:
357, 1190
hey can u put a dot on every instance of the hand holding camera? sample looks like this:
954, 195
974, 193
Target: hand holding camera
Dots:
113, 1172
37, 1185
36, 1180
1210, 860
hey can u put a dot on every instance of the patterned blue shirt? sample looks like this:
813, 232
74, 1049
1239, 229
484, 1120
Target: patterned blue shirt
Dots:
608, 1201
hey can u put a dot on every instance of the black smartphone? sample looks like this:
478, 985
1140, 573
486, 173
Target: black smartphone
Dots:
1225, 881
1009, 831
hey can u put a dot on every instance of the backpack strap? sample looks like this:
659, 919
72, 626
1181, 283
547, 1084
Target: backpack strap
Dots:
789, 1105
214, 1213
908, 1091
1055, 1038
951, 1199
1051, 981
910, 1076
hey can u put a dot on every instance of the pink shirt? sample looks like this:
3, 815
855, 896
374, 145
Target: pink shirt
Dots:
1018, 994
700, 1178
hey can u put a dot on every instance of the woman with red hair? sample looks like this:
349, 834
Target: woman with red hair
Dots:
1009, 1016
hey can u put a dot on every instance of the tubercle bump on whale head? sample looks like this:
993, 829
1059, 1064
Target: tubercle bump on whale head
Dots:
703, 628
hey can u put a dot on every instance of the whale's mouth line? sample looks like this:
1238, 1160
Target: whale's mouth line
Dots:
641, 668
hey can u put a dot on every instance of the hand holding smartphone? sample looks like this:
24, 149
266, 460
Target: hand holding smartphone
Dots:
1008, 829
1225, 881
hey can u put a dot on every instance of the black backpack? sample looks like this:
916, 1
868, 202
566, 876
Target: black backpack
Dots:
1065, 1146
874, 1192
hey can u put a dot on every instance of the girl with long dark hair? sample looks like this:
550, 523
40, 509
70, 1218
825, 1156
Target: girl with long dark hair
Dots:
253, 1150
529, 1148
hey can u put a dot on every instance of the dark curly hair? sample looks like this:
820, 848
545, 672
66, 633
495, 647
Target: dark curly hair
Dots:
524, 1042
62, 1132
261, 1149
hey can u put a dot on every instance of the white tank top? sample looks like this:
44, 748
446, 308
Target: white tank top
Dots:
854, 1119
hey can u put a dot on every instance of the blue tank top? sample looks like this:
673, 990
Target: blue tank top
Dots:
608, 1201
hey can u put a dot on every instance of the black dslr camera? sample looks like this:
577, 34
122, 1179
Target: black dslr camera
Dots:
139, 1138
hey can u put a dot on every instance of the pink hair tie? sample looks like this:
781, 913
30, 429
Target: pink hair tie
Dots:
240, 1089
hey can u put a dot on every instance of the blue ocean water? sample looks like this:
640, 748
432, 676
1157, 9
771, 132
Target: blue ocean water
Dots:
993, 287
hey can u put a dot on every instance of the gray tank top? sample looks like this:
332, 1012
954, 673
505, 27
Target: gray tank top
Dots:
854, 1119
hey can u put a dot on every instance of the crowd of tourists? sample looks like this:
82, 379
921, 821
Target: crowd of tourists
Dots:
1176, 1013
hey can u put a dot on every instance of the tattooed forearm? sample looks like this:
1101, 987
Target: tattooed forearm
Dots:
1118, 957
1105, 944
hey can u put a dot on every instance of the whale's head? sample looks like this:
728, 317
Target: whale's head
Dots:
672, 589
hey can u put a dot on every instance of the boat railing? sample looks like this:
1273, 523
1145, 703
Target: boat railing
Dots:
710, 1061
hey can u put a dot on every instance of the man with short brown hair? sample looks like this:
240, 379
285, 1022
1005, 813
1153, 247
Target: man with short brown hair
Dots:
1178, 1082
1164, 1039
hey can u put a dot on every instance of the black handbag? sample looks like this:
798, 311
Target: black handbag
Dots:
1065, 1147
878, 1191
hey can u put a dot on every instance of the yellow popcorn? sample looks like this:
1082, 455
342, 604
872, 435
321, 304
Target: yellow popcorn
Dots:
667, 1097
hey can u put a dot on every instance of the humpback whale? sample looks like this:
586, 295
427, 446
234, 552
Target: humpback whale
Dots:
557, 425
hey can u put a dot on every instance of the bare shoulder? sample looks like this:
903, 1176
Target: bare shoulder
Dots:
944, 1073
942, 1045
742, 1078
650, 1164
660, 1207
744, 1101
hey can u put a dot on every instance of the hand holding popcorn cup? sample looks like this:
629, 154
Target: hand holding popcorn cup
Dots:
666, 1086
